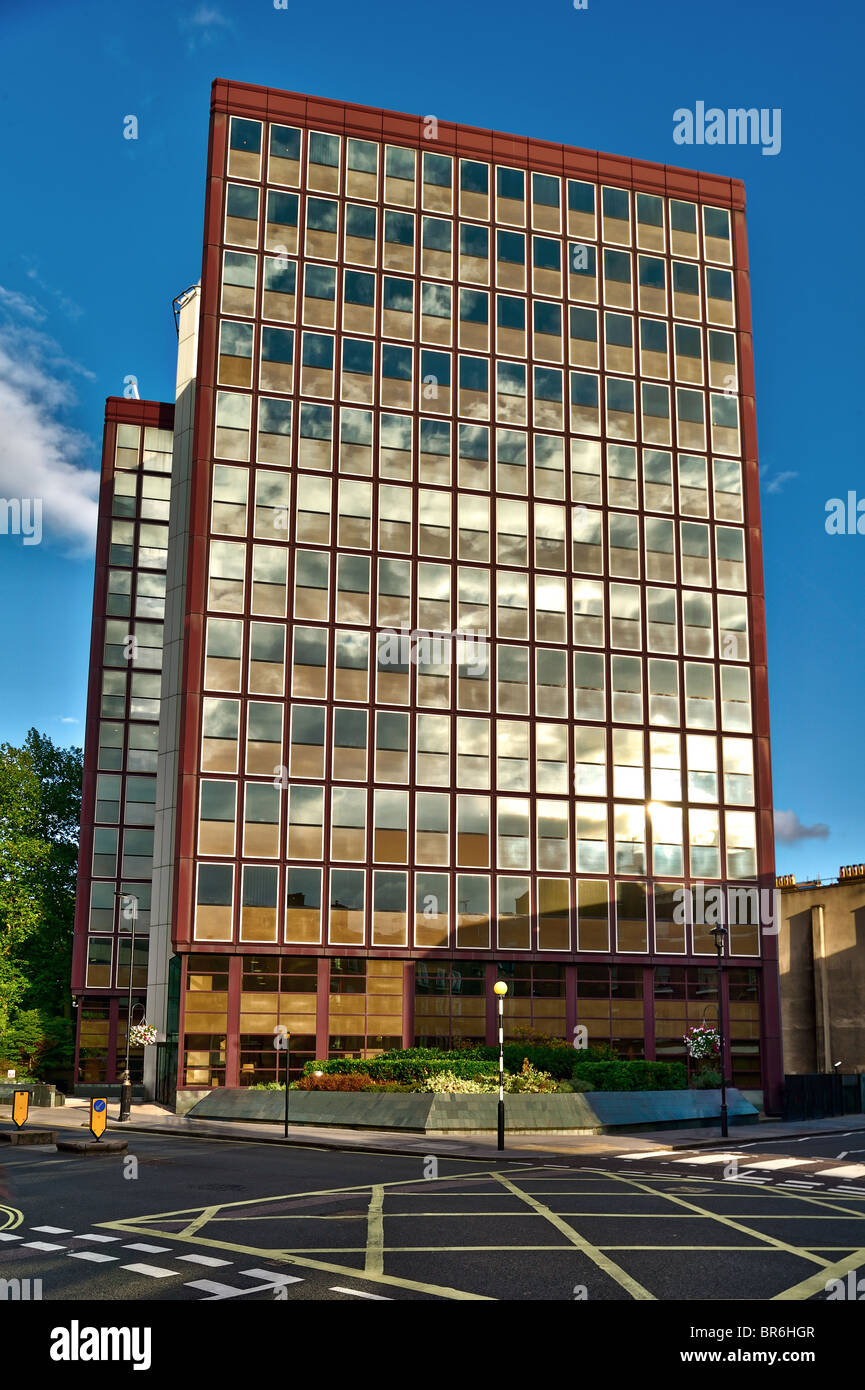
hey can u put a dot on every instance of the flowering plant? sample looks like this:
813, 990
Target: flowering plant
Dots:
142, 1035
702, 1041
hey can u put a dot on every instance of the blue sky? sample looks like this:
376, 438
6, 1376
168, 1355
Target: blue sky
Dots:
101, 232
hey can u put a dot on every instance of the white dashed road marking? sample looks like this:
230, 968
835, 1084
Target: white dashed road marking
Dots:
204, 1260
778, 1163
654, 1153
271, 1276
93, 1256
41, 1245
53, 1230
847, 1170
358, 1293
149, 1249
151, 1271
714, 1158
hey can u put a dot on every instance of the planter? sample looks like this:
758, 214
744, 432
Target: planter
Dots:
595, 1112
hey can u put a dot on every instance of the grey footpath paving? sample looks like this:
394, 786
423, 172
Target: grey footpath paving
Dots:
155, 1119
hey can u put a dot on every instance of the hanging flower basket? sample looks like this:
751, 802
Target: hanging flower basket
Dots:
702, 1042
142, 1035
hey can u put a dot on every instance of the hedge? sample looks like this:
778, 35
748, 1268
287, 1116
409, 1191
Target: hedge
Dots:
417, 1063
631, 1076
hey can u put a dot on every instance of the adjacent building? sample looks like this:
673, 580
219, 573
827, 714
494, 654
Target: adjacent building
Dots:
464, 666
822, 968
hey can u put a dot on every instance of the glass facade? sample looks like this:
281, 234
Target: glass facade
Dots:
475, 580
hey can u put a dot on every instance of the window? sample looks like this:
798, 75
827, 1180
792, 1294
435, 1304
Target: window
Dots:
361, 225
510, 196
241, 215
650, 222
474, 190
399, 175
238, 284
280, 229
437, 189
398, 250
361, 165
284, 161
323, 163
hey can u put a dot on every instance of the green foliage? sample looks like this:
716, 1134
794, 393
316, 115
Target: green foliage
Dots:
40, 803
706, 1080
631, 1076
337, 1081
448, 1083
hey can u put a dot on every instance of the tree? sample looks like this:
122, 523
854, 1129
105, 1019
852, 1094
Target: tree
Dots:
40, 807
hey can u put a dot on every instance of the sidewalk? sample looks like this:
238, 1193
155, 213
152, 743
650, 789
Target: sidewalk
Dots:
155, 1119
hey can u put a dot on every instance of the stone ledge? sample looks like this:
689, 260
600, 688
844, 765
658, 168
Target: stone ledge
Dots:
594, 1112
29, 1136
93, 1147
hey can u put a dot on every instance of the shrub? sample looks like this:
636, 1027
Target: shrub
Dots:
529, 1079
631, 1076
337, 1081
706, 1080
415, 1065
447, 1082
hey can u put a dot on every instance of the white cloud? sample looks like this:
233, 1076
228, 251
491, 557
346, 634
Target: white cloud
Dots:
203, 25
41, 456
776, 484
68, 719
789, 829
20, 304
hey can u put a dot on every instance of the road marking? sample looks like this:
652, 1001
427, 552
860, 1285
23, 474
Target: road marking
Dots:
91, 1236
216, 1290
197, 1222
93, 1255
713, 1158
271, 1276
779, 1163
790, 1183
151, 1271
359, 1293
760, 1236
41, 1245
305, 1262
147, 1249
816, 1283
4, 1236
653, 1153
635, 1289
204, 1260
847, 1170
374, 1262
53, 1230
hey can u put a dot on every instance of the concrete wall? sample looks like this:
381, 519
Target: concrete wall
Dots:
172, 667
822, 963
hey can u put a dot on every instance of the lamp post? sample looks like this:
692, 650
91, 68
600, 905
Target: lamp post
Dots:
500, 989
129, 908
719, 935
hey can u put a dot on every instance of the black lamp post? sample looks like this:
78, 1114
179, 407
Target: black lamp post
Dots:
719, 935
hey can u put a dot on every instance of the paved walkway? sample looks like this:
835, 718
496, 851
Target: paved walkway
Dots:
155, 1119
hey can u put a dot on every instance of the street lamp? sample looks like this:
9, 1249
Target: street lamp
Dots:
129, 908
500, 989
719, 936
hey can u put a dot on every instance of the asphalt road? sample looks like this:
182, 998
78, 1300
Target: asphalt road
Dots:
216, 1220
